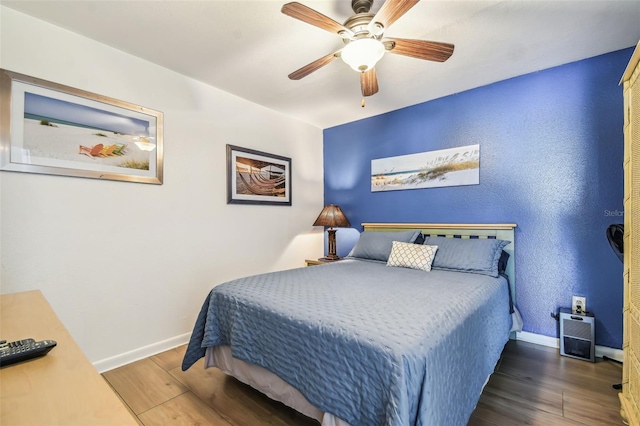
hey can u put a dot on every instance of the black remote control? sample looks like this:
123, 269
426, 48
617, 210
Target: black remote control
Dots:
22, 350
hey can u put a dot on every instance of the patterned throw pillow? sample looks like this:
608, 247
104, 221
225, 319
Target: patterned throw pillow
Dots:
414, 256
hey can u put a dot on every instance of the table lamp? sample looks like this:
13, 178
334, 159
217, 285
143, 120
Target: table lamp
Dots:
332, 216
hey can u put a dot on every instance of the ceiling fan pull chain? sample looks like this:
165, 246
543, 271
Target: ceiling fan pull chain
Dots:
362, 104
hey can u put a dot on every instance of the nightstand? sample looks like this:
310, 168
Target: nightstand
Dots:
311, 262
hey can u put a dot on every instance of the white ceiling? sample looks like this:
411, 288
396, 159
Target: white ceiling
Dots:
248, 47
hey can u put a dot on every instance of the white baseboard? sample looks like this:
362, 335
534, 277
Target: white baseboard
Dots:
554, 342
538, 339
612, 353
140, 353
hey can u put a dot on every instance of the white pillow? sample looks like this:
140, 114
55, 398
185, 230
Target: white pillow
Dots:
414, 256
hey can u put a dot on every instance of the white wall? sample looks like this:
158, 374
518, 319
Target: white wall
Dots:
127, 266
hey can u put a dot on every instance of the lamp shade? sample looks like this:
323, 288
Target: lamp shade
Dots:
362, 54
332, 216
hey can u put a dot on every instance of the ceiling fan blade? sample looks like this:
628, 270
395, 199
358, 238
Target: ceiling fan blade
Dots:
313, 66
312, 17
369, 82
391, 10
421, 49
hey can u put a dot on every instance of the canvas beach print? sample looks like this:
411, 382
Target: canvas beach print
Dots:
54, 129
445, 167
255, 177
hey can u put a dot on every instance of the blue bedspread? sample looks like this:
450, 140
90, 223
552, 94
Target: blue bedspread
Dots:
371, 344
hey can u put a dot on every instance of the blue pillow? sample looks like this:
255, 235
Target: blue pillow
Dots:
377, 245
478, 256
419, 239
502, 263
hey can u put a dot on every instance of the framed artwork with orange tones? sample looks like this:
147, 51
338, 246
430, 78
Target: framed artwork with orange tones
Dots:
53, 129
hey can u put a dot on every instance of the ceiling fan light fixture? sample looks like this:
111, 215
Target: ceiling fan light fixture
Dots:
363, 54
375, 28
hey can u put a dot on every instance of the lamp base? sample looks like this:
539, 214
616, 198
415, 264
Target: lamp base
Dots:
332, 255
330, 258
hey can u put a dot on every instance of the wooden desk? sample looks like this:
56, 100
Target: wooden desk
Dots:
61, 388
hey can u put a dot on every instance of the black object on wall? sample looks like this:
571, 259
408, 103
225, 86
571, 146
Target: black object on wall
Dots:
615, 233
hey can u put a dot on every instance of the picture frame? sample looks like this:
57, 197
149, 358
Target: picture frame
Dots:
50, 128
459, 166
256, 177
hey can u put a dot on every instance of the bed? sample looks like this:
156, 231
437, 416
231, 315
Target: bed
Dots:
404, 331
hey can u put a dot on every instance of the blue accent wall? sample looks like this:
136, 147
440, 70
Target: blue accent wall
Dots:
551, 153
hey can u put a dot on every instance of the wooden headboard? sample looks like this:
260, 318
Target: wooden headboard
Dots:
501, 231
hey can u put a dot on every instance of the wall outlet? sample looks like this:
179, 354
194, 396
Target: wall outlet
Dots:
578, 304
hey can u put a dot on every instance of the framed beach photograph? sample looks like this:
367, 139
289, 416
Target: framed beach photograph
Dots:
50, 128
445, 167
255, 177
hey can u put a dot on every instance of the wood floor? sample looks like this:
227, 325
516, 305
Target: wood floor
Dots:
533, 385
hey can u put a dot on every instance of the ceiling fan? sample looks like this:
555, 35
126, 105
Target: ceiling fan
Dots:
363, 35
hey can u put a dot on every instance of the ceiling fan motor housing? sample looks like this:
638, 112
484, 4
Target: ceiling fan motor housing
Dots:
361, 6
359, 25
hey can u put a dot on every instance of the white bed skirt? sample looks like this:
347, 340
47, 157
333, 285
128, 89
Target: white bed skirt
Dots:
268, 383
